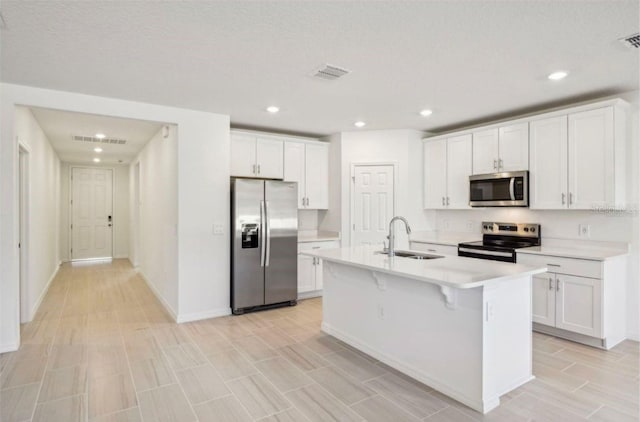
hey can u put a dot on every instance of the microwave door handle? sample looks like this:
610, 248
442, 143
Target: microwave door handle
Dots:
511, 188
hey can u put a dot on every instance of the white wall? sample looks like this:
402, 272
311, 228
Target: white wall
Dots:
203, 198
402, 147
44, 199
120, 209
158, 211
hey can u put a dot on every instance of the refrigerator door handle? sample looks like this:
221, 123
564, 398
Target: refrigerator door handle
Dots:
268, 236
262, 233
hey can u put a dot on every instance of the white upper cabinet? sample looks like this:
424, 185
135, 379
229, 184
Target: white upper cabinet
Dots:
308, 164
485, 151
592, 165
446, 174
501, 149
548, 172
459, 153
256, 156
270, 158
578, 160
243, 155
317, 175
435, 174
513, 147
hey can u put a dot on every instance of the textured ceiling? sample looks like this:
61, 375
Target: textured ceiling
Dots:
60, 126
467, 61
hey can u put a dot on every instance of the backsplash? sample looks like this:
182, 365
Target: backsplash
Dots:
307, 220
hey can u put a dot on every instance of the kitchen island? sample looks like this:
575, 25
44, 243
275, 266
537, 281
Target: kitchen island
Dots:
459, 325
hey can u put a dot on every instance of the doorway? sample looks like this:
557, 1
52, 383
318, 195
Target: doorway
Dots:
372, 202
91, 213
136, 215
23, 235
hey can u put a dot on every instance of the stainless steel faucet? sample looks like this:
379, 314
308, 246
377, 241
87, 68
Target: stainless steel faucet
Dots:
391, 236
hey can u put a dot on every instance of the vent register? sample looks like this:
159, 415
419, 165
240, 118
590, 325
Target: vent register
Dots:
98, 140
632, 41
330, 73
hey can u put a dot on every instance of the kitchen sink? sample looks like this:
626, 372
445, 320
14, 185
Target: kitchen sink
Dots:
412, 255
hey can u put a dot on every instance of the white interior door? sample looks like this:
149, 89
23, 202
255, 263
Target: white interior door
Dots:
92, 212
373, 198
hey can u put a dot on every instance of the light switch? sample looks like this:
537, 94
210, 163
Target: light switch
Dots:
218, 229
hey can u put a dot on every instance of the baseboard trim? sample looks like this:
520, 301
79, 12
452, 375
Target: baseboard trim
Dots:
36, 306
635, 336
9, 347
197, 316
309, 295
158, 296
121, 257
483, 406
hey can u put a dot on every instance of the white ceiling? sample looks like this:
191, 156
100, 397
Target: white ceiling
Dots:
61, 126
468, 61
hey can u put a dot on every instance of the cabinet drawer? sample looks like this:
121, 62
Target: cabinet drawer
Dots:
327, 244
578, 267
434, 248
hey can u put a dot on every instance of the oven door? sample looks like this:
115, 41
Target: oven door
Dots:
486, 253
499, 189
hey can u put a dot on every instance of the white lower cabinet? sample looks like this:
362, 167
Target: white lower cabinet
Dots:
310, 268
434, 248
579, 298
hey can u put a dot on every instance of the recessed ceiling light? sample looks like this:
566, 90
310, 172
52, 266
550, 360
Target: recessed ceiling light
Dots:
97, 149
359, 124
425, 113
273, 109
556, 76
100, 135
96, 160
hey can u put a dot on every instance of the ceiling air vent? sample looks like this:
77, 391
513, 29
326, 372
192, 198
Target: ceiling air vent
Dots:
632, 41
330, 73
98, 140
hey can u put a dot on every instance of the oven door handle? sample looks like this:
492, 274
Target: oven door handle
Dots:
483, 252
512, 183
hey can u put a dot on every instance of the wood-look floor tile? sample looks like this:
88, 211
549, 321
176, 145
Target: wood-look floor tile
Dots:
627, 402
59, 383
68, 409
347, 389
569, 401
4, 360
106, 360
355, 365
170, 335
231, 364
302, 357
32, 351
274, 337
319, 406
322, 344
151, 373
63, 355
110, 394
166, 404
16, 404
22, 372
142, 346
552, 361
201, 384
379, 409
128, 415
597, 375
450, 414
559, 379
408, 395
185, 355
227, 409
283, 374
254, 348
529, 406
290, 415
607, 414
258, 396
211, 343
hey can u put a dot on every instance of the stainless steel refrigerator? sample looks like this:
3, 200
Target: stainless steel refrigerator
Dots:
264, 244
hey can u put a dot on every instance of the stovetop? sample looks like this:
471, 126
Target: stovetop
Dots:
506, 236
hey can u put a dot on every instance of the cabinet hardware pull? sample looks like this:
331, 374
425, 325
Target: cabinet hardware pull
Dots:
303, 202
550, 283
500, 164
570, 198
315, 247
447, 201
258, 168
431, 250
563, 198
443, 200
495, 164
553, 265
253, 169
558, 286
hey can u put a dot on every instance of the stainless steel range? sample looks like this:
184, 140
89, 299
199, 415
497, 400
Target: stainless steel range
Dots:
501, 240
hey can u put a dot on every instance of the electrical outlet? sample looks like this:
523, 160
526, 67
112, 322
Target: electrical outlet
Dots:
584, 230
218, 229
380, 312
490, 311
445, 224
471, 225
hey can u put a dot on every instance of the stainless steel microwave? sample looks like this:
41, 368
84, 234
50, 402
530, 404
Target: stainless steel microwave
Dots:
509, 189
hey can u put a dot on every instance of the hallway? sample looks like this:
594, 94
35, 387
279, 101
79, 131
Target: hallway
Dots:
101, 348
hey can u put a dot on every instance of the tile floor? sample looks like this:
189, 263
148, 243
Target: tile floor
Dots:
102, 349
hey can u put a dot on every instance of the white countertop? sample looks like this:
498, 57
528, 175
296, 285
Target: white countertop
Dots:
444, 238
450, 271
317, 236
580, 249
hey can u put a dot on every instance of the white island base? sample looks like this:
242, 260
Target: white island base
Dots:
471, 344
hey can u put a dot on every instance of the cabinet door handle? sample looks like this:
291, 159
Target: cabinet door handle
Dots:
258, 168
550, 283
253, 169
431, 250
553, 265
447, 201
495, 164
303, 202
563, 198
570, 198
558, 285
500, 164
443, 201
